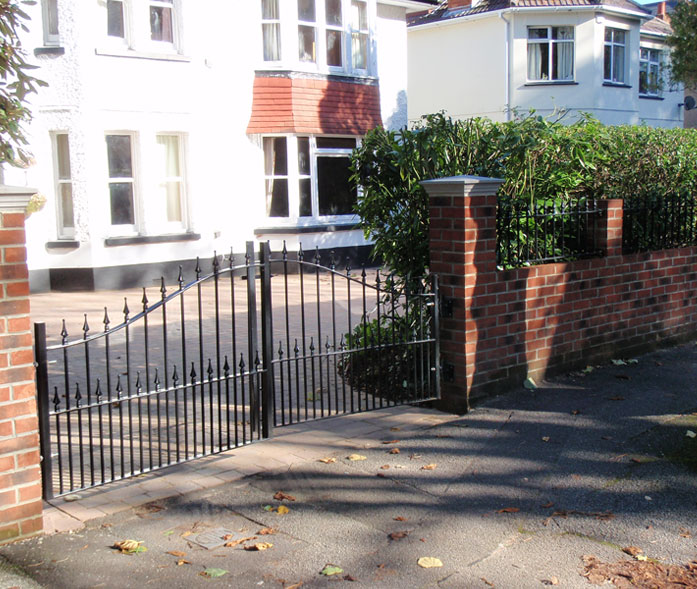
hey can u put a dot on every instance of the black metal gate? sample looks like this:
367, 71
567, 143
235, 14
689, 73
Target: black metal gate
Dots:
205, 368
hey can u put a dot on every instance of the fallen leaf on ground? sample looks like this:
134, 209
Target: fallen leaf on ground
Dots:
385, 466
429, 562
551, 581
429, 467
328, 460
547, 505
295, 586
280, 496
398, 535
268, 508
690, 434
178, 553
349, 578
186, 534
357, 457
599, 515
282, 510
399, 518
181, 562
414, 456
213, 573
545, 438
588, 370
259, 546
391, 441
509, 510
130, 546
266, 531
395, 429
331, 569
632, 550
641, 557
628, 573
444, 436
685, 533
489, 583
240, 541
394, 451
618, 362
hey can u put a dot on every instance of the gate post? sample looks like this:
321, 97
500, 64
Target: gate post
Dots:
43, 401
252, 336
268, 396
20, 474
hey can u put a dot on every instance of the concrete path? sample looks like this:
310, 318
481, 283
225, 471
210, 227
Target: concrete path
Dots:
514, 494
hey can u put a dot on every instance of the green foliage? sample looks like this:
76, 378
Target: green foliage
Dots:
538, 159
15, 82
683, 42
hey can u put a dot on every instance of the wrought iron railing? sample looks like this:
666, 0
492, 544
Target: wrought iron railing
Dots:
545, 230
659, 221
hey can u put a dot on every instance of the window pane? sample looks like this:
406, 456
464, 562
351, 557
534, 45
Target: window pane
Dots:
304, 156
562, 61
334, 56
67, 214
121, 203
161, 24
335, 193
538, 61
562, 33
63, 156
277, 197
306, 43
306, 10
173, 200
269, 9
643, 79
537, 33
619, 36
305, 198
336, 143
168, 148
608, 35
607, 69
618, 64
51, 7
333, 10
272, 41
119, 154
359, 51
275, 156
115, 24
359, 15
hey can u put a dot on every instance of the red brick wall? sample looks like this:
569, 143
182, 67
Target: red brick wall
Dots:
508, 325
305, 105
20, 477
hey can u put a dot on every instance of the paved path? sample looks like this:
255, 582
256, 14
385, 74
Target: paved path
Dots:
519, 490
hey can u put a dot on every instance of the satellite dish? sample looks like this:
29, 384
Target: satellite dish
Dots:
690, 102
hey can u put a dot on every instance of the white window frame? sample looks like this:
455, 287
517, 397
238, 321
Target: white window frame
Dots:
360, 31
289, 38
293, 178
63, 231
550, 57
610, 45
651, 63
155, 221
125, 11
123, 229
51, 39
276, 23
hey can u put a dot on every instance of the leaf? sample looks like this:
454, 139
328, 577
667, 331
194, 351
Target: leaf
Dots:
181, 562
632, 550
685, 533
267, 531
488, 583
282, 510
130, 546
588, 370
213, 573
618, 362
530, 384
186, 534
395, 429
349, 578
168, 533
690, 434
509, 510
178, 553
394, 451
268, 508
641, 557
355, 457
329, 460
391, 441
551, 581
331, 569
547, 505
240, 541
398, 535
545, 438
429, 562
429, 467
280, 496
385, 467
295, 585
259, 547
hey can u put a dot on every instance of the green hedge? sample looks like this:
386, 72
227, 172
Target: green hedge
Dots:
536, 158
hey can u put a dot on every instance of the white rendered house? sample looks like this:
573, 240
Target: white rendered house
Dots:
493, 57
169, 132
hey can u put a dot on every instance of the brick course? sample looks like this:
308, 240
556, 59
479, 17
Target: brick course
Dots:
20, 478
543, 319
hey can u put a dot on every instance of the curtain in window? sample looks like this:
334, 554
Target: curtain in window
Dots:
565, 61
272, 41
169, 161
535, 61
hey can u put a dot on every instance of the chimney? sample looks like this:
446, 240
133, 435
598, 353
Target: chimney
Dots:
459, 3
661, 11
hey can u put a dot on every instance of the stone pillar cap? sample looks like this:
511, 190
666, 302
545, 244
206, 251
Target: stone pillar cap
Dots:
14, 199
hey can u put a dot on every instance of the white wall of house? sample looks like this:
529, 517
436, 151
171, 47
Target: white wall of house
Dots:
457, 66
200, 90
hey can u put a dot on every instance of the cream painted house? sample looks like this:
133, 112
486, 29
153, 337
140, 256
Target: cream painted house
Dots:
493, 57
169, 132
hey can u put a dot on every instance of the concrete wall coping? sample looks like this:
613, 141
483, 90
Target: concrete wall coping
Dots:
14, 199
462, 186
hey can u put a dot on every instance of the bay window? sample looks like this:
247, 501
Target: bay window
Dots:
615, 52
550, 54
307, 177
649, 72
329, 35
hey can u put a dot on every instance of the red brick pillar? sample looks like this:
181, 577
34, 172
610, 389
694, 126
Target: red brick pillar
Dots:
610, 231
463, 252
20, 476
